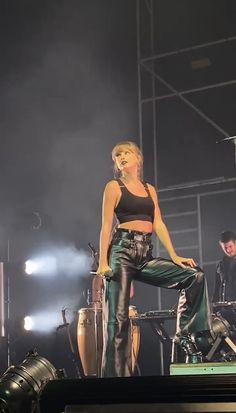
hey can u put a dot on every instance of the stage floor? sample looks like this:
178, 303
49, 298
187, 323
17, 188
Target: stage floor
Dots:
181, 369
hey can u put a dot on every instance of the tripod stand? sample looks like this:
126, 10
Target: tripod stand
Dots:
217, 343
97, 294
222, 335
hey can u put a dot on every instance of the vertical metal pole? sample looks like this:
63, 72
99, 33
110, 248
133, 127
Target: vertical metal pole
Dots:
199, 229
2, 301
139, 74
154, 134
3, 322
154, 103
234, 152
8, 307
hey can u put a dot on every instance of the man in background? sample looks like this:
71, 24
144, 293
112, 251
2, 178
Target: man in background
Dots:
225, 278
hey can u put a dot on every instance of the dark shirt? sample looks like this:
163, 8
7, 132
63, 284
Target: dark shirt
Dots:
225, 280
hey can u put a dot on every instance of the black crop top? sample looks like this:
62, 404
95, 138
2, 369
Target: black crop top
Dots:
133, 207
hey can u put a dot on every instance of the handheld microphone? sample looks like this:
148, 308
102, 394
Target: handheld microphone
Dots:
108, 275
228, 139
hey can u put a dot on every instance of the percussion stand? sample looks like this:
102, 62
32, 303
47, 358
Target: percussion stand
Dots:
96, 304
96, 337
76, 360
96, 299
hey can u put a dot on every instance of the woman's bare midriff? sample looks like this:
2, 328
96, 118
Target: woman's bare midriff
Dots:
142, 226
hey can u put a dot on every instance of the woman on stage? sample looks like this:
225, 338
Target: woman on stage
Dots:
127, 255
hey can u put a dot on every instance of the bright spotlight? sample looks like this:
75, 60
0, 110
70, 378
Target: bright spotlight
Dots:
31, 267
59, 259
43, 266
44, 322
28, 323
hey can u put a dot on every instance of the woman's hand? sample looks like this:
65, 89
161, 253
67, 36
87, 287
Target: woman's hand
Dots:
104, 271
184, 262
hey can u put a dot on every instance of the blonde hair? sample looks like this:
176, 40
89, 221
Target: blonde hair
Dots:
133, 148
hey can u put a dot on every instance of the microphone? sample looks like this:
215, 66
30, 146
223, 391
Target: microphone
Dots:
228, 139
108, 275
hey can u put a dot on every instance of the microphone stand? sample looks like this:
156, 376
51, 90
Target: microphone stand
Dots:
95, 304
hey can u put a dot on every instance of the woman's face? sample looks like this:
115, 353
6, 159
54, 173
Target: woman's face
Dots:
126, 158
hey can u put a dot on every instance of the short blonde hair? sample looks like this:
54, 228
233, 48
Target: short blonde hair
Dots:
133, 147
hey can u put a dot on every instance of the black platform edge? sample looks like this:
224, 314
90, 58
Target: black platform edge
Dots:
162, 389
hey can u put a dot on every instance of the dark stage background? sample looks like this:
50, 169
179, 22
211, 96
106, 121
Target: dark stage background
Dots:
68, 92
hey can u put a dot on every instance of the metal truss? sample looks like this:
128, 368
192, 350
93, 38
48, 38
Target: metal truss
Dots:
147, 63
176, 194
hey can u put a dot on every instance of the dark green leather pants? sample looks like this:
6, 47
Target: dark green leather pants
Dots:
130, 257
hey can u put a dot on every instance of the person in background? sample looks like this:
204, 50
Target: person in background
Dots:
126, 255
225, 277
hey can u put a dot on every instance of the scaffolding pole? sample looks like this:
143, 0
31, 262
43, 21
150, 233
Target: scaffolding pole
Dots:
188, 49
188, 91
188, 103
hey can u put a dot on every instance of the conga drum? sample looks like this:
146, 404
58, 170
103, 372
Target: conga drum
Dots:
90, 340
134, 336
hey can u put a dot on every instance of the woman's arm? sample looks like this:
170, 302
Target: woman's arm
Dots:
109, 202
162, 232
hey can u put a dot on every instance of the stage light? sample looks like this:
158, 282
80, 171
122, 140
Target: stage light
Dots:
43, 266
28, 323
59, 259
20, 386
44, 321
31, 267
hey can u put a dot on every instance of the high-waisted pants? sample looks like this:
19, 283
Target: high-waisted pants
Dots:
130, 258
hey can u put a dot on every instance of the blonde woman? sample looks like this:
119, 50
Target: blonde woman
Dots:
127, 256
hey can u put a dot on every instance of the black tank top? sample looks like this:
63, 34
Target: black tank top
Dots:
133, 207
